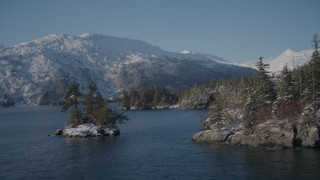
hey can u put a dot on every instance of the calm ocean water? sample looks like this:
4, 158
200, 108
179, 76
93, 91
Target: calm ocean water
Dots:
152, 145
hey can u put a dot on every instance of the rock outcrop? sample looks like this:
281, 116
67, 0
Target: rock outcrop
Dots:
88, 130
271, 134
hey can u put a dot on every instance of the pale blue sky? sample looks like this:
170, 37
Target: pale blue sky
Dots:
235, 30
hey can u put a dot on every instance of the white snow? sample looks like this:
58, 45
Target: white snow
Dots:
84, 130
48, 64
289, 57
186, 52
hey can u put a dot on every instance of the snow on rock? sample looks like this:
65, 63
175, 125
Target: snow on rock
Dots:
88, 130
111, 131
271, 134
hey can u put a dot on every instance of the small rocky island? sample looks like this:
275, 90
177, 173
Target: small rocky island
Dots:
88, 130
90, 115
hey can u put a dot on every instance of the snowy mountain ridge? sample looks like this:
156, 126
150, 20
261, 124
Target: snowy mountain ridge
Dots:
40, 71
289, 57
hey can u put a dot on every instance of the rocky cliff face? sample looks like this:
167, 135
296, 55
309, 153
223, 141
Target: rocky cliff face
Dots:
39, 72
272, 133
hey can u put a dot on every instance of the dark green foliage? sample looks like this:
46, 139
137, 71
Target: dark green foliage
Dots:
286, 90
250, 111
95, 107
315, 68
252, 100
148, 98
126, 100
6, 101
75, 117
107, 117
115, 117
216, 110
264, 88
71, 97
90, 102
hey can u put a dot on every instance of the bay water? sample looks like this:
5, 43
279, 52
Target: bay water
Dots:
152, 145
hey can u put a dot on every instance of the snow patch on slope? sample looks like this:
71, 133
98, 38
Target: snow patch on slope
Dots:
40, 71
289, 57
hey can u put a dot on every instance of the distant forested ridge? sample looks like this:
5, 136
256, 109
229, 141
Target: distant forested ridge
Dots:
148, 98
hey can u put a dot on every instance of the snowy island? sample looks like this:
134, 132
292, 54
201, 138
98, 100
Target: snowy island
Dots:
88, 130
90, 115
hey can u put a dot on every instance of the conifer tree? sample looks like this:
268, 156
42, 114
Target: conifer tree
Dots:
134, 98
315, 68
314, 83
125, 102
143, 99
250, 111
101, 112
264, 87
156, 96
216, 111
90, 102
71, 99
285, 88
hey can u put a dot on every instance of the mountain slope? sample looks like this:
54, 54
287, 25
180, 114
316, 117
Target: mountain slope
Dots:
289, 57
40, 71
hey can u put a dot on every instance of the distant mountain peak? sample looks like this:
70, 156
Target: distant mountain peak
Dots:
288, 52
289, 58
186, 52
40, 71
86, 35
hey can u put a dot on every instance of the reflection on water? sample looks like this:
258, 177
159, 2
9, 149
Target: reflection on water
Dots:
152, 145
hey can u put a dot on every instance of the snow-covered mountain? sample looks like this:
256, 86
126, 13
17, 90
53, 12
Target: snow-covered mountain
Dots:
289, 57
40, 71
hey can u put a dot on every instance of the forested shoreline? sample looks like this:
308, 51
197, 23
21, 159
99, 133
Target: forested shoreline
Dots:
286, 105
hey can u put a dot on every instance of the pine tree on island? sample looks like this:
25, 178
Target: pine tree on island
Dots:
90, 114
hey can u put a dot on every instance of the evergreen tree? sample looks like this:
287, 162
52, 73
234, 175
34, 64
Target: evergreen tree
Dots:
264, 87
156, 97
115, 117
96, 109
71, 99
287, 95
143, 99
125, 102
286, 91
315, 68
250, 111
90, 102
306, 82
101, 112
134, 98
313, 72
216, 111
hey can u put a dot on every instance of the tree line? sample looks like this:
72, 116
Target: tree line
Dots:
90, 108
148, 98
250, 100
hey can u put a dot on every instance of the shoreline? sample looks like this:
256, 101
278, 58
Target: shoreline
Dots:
268, 134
